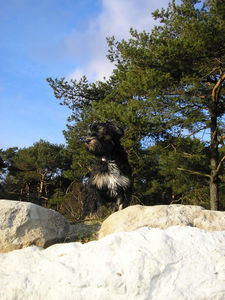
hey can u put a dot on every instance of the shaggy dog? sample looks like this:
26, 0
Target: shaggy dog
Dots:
109, 183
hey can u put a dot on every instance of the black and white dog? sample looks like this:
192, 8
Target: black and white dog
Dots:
109, 183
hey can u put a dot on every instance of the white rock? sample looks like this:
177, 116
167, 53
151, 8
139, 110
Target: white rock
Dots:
23, 224
162, 216
148, 264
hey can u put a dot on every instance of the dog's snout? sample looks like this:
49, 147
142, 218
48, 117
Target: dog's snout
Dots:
88, 140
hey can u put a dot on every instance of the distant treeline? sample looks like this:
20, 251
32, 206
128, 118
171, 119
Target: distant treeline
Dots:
171, 171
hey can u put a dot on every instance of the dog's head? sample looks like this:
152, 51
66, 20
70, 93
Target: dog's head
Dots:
102, 138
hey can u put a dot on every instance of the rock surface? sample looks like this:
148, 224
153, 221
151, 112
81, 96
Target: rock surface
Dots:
23, 224
179, 263
162, 216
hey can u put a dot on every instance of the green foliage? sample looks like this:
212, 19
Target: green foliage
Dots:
56, 199
34, 172
163, 177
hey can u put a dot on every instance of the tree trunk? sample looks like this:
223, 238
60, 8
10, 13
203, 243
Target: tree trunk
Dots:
21, 194
214, 188
214, 197
28, 192
41, 184
214, 153
41, 187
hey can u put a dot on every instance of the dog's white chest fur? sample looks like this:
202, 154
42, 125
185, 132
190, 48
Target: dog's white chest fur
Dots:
112, 179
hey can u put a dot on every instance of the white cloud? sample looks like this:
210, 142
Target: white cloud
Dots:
116, 18
76, 74
119, 15
99, 68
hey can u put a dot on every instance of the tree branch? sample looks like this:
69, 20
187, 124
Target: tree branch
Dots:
220, 140
194, 172
220, 164
217, 86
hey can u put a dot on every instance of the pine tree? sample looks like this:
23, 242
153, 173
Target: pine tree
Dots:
179, 70
34, 172
169, 82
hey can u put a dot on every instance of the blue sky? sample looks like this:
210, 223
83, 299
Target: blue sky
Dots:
55, 38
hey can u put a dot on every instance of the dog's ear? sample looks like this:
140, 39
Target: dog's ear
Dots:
93, 126
118, 131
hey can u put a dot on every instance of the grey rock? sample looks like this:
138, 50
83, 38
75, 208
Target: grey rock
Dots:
162, 216
23, 224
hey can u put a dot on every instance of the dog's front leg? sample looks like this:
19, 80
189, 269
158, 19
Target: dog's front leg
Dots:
119, 203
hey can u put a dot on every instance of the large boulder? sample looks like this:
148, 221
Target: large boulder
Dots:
162, 216
23, 224
179, 263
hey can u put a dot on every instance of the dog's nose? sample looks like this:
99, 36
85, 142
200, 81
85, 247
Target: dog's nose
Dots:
88, 140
